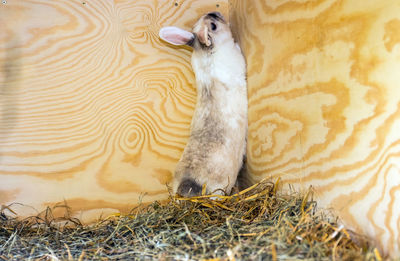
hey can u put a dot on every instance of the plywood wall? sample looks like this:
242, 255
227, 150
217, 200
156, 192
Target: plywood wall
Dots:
324, 104
94, 108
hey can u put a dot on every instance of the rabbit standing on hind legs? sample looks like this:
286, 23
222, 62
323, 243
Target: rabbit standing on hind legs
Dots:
214, 153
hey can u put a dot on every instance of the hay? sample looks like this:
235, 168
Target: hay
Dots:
255, 224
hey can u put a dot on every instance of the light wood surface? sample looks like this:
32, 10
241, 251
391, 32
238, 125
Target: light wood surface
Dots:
324, 104
94, 108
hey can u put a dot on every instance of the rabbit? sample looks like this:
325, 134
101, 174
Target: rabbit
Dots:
214, 153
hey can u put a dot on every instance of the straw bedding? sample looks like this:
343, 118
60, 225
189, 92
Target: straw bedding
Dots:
256, 224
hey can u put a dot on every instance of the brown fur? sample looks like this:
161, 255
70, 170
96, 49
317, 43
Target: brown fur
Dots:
214, 153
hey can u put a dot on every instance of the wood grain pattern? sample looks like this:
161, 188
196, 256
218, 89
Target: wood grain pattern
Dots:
324, 104
94, 108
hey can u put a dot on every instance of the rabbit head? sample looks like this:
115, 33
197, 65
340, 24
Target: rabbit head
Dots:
209, 31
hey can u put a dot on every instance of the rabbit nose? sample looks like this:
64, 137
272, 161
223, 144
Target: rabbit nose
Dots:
189, 188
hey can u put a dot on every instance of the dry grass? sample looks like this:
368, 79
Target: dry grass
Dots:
255, 224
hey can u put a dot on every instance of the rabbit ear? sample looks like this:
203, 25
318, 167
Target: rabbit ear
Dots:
175, 35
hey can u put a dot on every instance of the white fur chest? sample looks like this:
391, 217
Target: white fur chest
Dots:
224, 64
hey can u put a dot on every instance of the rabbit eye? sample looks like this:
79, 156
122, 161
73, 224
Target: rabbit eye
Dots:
213, 26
